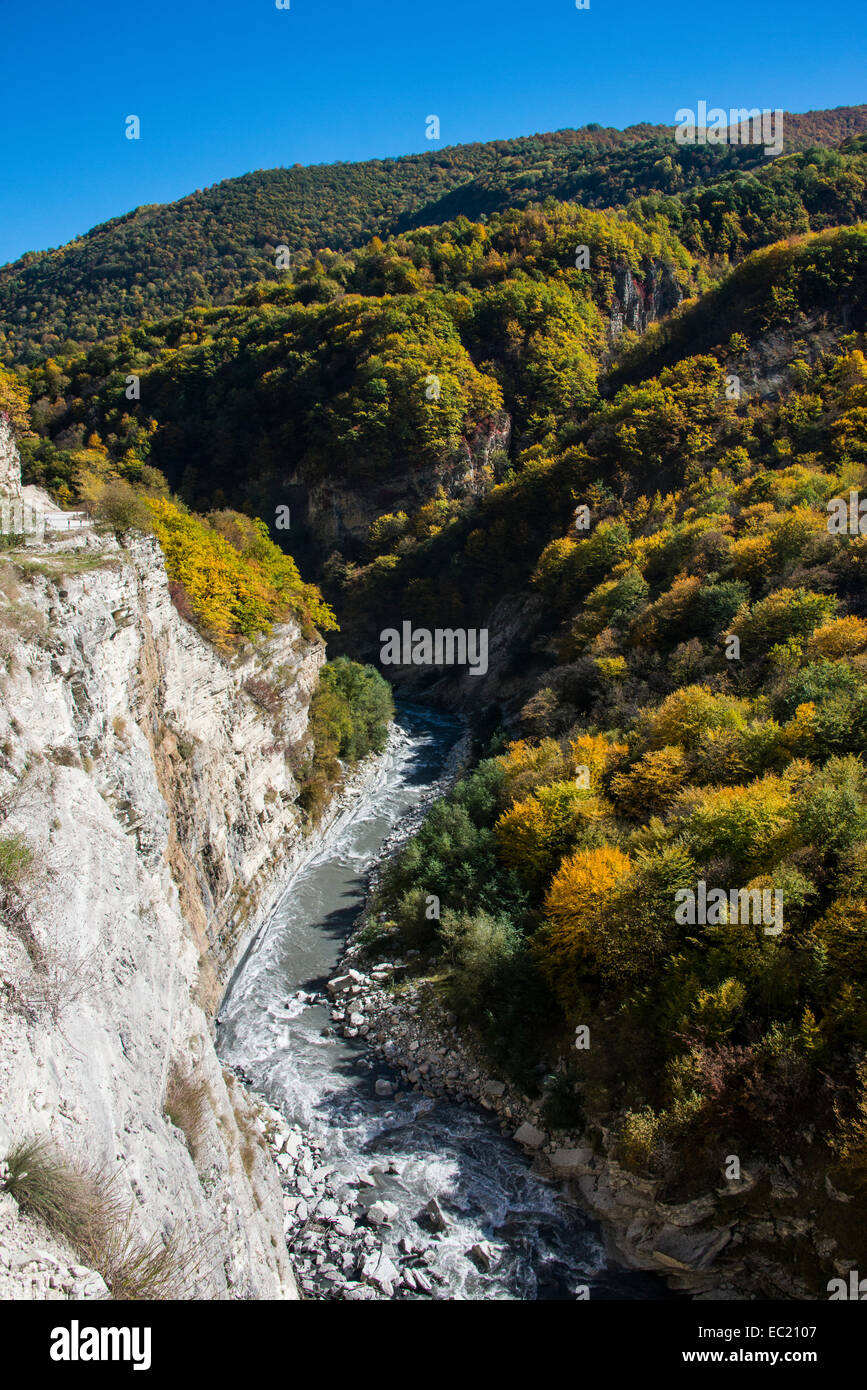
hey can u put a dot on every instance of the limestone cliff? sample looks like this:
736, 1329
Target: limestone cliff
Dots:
10, 466
152, 781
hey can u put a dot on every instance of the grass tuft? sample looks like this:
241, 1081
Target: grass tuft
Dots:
80, 1203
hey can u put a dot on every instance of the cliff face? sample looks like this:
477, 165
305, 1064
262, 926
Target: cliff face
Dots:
10, 466
152, 782
337, 512
638, 303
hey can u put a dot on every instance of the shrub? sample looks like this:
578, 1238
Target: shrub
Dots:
850, 1141
533, 835
349, 717
784, 614
365, 696
527, 766
266, 696
749, 825
686, 715
123, 509
235, 579
843, 637
576, 904
481, 948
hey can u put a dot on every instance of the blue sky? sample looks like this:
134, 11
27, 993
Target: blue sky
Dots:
225, 86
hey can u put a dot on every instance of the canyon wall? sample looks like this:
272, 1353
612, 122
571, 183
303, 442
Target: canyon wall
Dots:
149, 820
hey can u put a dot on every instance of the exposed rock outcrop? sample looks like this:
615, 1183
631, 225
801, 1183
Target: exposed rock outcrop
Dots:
153, 783
10, 463
640, 302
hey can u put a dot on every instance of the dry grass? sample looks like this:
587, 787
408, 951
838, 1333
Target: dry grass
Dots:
80, 1203
187, 1103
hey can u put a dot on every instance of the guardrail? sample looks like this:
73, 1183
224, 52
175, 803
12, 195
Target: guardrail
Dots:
21, 519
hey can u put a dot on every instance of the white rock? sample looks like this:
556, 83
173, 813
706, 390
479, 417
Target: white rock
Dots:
378, 1269
382, 1213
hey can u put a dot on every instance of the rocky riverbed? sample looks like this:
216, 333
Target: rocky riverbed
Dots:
400, 1177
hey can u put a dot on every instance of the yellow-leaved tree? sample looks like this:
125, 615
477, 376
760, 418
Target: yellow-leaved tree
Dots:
576, 905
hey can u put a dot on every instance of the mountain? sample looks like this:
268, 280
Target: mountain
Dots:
205, 248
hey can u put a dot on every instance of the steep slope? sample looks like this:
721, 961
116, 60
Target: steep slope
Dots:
651, 890
149, 820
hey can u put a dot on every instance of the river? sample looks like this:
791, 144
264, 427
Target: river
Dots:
547, 1248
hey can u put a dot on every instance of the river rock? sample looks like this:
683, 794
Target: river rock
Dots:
378, 1269
571, 1163
381, 1213
494, 1088
351, 980
434, 1216
529, 1136
482, 1254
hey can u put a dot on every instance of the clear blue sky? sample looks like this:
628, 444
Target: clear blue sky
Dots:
226, 86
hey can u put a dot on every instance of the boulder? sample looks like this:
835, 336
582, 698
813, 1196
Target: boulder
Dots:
378, 1269
434, 1216
688, 1213
571, 1163
482, 1254
676, 1248
350, 981
381, 1213
529, 1136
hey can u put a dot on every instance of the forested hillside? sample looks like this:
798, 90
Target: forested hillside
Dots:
678, 707
207, 247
